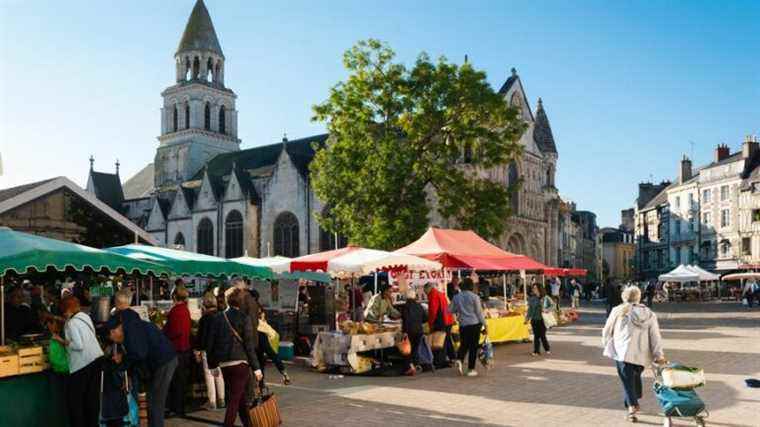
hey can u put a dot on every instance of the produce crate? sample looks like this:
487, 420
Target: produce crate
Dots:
8, 365
31, 359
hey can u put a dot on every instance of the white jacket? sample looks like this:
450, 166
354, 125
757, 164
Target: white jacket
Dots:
632, 335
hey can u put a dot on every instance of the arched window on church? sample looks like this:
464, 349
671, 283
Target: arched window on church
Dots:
286, 235
196, 68
174, 118
207, 116
233, 235
512, 179
206, 237
222, 120
187, 115
218, 72
209, 70
188, 68
179, 241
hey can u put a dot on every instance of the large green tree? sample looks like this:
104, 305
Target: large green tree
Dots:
405, 141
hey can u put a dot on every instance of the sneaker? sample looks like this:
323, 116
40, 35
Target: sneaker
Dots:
285, 378
548, 353
535, 354
209, 406
460, 369
220, 404
410, 372
472, 373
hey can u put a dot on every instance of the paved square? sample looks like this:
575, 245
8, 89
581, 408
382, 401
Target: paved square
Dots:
575, 386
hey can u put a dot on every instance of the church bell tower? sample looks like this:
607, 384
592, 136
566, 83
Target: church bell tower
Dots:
198, 118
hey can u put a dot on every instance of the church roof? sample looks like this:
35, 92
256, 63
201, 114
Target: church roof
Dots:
508, 84
199, 32
542, 131
141, 184
108, 188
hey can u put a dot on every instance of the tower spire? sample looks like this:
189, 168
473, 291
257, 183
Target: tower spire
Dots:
199, 32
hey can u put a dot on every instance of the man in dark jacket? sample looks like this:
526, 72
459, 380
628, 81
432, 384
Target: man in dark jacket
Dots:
413, 316
149, 352
613, 296
231, 346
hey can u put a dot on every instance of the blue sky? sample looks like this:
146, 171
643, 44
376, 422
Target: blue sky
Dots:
626, 85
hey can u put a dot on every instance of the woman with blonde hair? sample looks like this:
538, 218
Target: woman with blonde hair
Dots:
631, 337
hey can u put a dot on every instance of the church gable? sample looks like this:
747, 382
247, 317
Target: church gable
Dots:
156, 219
233, 191
206, 197
180, 207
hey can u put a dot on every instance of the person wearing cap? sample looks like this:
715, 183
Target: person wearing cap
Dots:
213, 377
381, 305
177, 329
413, 316
149, 354
230, 346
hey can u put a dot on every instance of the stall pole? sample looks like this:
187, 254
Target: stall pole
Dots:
353, 300
152, 295
376, 281
525, 286
2, 310
504, 284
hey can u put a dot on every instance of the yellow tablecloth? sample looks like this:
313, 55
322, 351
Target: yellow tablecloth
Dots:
503, 329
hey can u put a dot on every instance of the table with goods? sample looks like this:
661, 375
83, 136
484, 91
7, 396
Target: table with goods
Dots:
341, 349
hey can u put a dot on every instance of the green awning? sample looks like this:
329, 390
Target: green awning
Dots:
313, 276
192, 264
23, 253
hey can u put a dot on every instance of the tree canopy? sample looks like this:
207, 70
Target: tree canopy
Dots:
406, 143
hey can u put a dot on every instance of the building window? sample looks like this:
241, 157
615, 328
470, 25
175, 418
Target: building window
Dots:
179, 241
706, 196
677, 226
725, 247
755, 215
724, 193
707, 218
233, 235
691, 223
207, 117
286, 235
206, 237
678, 201
174, 119
512, 181
691, 201
746, 245
706, 246
725, 218
678, 256
222, 120
187, 116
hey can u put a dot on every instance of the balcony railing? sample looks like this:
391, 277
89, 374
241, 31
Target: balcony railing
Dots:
683, 237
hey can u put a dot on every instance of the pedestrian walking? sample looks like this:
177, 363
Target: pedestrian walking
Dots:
213, 377
83, 382
613, 296
413, 316
631, 337
264, 347
177, 329
575, 292
751, 291
535, 315
440, 320
149, 354
466, 306
649, 292
231, 346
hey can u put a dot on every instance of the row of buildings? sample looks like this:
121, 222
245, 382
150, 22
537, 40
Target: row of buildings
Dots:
205, 194
708, 215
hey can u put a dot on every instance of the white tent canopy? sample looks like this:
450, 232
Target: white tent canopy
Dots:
680, 274
278, 264
704, 275
365, 261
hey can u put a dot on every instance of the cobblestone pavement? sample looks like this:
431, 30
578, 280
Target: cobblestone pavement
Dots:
575, 386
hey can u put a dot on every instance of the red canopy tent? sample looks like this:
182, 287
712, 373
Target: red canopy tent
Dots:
465, 249
318, 261
566, 272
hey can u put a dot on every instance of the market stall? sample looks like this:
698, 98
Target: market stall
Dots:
675, 282
37, 395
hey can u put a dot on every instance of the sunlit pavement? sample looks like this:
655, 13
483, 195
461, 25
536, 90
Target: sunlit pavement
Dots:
574, 386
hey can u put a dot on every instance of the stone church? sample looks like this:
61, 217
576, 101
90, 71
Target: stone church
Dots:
205, 194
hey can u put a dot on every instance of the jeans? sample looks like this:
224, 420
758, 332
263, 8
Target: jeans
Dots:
83, 393
412, 360
178, 386
237, 378
214, 384
158, 391
630, 376
539, 335
469, 341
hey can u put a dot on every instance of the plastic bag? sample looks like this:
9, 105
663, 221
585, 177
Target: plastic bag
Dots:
58, 357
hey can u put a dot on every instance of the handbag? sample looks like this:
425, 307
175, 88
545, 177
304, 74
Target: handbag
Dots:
266, 413
58, 358
437, 340
549, 320
404, 346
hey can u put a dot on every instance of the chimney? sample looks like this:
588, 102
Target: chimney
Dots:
685, 171
749, 147
722, 152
